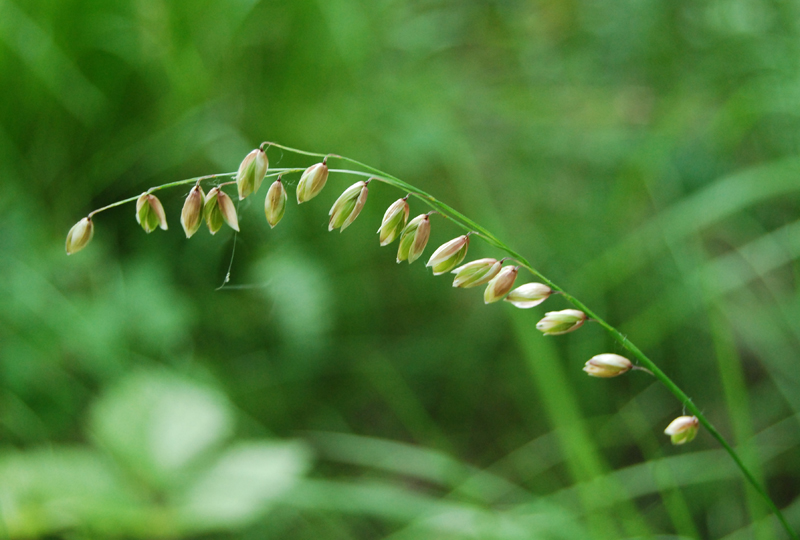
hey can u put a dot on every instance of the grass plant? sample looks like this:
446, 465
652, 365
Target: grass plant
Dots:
585, 466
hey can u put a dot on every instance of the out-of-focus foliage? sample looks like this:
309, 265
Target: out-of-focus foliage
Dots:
643, 154
161, 468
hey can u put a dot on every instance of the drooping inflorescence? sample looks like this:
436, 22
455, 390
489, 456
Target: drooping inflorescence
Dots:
216, 208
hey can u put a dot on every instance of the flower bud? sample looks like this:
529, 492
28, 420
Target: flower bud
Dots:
500, 285
251, 172
275, 203
219, 207
529, 295
414, 238
449, 255
607, 365
394, 220
311, 182
347, 207
476, 273
683, 429
560, 322
150, 214
79, 235
192, 213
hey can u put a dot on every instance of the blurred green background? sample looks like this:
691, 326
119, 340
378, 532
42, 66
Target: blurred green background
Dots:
643, 154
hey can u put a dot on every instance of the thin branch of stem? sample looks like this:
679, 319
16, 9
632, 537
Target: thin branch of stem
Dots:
197, 180
640, 368
474, 228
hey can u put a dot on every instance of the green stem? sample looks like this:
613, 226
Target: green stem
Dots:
429, 199
473, 227
196, 180
468, 224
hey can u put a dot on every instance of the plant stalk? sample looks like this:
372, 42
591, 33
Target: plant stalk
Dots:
474, 228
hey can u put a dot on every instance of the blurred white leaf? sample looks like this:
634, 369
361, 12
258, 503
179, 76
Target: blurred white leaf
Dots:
157, 423
242, 484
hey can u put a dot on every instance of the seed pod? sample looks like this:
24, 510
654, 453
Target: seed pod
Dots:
251, 172
79, 235
414, 238
529, 295
347, 207
149, 213
556, 323
218, 208
476, 273
607, 365
449, 255
192, 213
275, 203
394, 220
683, 429
500, 285
312, 181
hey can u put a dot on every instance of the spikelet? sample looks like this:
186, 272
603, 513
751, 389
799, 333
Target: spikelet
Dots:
192, 212
251, 173
218, 208
149, 213
275, 203
79, 235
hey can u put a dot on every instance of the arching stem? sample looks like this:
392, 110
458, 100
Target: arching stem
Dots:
474, 228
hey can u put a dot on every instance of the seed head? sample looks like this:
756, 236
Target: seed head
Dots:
79, 235
149, 213
311, 182
414, 238
394, 220
607, 365
347, 207
476, 273
192, 213
218, 208
251, 172
449, 255
500, 285
529, 295
683, 429
275, 203
560, 322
